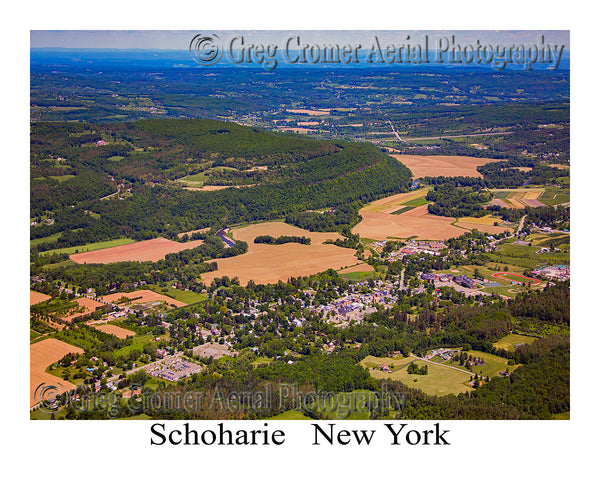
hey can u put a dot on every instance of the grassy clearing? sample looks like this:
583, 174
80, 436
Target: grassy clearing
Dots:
184, 296
439, 380
555, 196
417, 202
525, 256
48, 239
261, 361
62, 178
393, 362
138, 343
115, 158
196, 180
509, 341
64, 263
358, 276
91, 246
402, 210
491, 368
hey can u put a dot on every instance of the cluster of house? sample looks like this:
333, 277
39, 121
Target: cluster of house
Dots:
443, 353
462, 280
173, 369
554, 272
358, 302
48, 221
431, 248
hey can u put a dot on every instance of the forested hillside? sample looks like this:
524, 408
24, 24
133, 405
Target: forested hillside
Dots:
139, 168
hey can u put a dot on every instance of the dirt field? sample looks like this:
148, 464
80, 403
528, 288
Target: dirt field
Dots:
201, 230
414, 223
41, 355
143, 296
443, 166
482, 227
483, 224
214, 188
321, 111
361, 267
211, 349
88, 304
296, 129
147, 250
270, 263
114, 330
37, 297
394, 202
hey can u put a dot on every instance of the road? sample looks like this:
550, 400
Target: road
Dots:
441, 365
521, 223
394, 130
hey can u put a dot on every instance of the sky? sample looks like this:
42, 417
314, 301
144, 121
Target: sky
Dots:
180, 39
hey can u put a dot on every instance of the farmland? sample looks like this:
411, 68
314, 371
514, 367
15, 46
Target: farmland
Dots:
114, 330
509, 341
36, 297
86, 306
42, 354
413, 223
265, 263
186, 296
487, 224
144, 251
518, 197
443, 166
439, 380
91, 247
142, 297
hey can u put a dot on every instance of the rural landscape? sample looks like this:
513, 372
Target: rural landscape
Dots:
335, 231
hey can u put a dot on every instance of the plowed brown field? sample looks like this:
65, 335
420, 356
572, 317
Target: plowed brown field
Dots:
443, 165
143, 296
41, 355
147, 250
414, 223
270, 263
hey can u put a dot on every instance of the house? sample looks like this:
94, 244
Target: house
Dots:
100, 143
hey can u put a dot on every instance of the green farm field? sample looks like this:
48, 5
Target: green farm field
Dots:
508, 343
439, 380
184, 296
91, 246
493, 364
